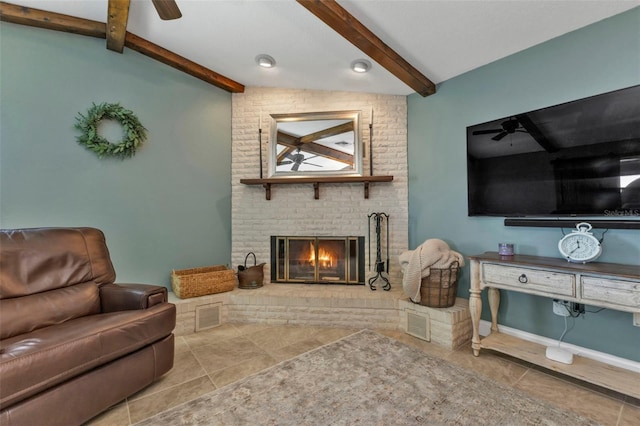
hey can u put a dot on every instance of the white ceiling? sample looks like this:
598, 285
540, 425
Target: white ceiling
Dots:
442, 39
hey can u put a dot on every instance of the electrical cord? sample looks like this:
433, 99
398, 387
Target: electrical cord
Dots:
566, 329
576, 315
566, 324
601, 239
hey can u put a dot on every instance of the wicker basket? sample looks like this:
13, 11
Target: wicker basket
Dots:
195, 282
439, 289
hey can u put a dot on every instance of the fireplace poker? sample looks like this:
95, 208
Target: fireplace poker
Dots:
260, 145
371, 143
387, 244
380, 265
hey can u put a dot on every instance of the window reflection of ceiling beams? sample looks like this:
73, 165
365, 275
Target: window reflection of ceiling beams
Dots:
312, 148
308, 144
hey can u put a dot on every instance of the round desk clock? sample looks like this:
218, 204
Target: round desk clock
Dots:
580, 246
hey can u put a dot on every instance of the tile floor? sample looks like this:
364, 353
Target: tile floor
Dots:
214, 358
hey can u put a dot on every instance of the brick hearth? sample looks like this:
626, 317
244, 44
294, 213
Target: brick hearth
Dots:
328, 306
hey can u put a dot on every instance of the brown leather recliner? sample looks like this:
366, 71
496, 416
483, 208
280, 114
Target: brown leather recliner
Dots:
73, 343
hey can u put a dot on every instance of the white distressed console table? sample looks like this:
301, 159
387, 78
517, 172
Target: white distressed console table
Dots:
608, 285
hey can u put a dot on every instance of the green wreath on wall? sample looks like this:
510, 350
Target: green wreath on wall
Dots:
133, 131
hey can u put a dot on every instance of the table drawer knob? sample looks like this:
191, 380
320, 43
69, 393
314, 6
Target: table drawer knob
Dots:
523, 279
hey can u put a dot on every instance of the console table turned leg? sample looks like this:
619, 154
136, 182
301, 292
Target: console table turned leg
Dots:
494, 304
475, 307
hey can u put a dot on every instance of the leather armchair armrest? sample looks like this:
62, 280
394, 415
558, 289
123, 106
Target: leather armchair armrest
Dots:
126, 297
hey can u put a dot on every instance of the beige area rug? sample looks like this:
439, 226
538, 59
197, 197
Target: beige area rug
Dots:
365, 379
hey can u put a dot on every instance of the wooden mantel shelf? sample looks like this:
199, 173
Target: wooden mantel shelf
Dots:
316, 181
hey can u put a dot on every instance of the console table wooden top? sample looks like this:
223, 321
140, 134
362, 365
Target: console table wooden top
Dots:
618, 269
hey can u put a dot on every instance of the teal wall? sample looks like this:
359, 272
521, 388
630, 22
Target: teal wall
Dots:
599, 58
169, 207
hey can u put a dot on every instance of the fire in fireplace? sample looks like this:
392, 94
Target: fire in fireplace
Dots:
317, 260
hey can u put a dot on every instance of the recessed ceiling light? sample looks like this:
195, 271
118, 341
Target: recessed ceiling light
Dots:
360, 65
265, 61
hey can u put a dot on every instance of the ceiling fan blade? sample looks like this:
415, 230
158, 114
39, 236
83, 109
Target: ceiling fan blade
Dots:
295, 167
311, 164
499, 136
487, 132
167, 9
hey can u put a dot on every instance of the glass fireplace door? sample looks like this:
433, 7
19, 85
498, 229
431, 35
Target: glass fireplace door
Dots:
321, 260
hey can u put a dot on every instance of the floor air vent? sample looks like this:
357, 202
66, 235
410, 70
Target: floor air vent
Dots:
418, 325
208, 316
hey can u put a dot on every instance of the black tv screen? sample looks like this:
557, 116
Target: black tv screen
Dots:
580, 158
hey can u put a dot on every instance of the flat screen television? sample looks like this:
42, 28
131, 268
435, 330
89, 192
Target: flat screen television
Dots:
580, 158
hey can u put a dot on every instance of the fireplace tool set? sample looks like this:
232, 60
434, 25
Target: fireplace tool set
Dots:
380, 266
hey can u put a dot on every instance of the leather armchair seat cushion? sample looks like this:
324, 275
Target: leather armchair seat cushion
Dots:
33, 362
28, 313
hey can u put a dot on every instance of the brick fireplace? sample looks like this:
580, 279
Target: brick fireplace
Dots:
341, 208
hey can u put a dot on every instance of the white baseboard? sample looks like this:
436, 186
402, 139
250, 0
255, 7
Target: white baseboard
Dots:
485, 330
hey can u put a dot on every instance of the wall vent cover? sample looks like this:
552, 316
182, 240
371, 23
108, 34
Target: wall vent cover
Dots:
208, 316
418, 325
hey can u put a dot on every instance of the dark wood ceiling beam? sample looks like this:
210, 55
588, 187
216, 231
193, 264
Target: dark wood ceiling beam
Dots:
51, 21
70, 24
117, 17
325, 133
181, 63
320, 150
345, 24
535, 132
330, 153
295, 141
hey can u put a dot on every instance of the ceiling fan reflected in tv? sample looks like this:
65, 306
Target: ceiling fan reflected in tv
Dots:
508, 127
580, 158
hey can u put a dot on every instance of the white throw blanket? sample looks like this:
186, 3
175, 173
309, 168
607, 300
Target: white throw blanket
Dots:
416, 264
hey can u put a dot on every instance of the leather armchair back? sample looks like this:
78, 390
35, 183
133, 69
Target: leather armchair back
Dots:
49, 276
42, 259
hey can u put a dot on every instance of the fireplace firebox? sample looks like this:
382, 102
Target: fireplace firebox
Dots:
317, 260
